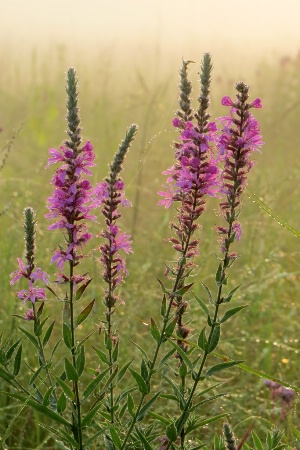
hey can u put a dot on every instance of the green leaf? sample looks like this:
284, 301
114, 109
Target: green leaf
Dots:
154, 330
37, 373
218, 277
210, 299
85, 312
80, 363
90, 416
130, 404
170, 328
61, 403
220, 367
52, 292
67, 336
71, 372
40, 310
143, 388
229, 296
11, 350
144, 410
48, 333
6, 375
144, 441
40, 408
80, 291
17, 362
59, 433
67, 390
163, 287
180, 292
115, 353
204, 422
232, 312
102, 356
144, 370
257, 442
160, 418
171, 432
115, 437
202, 305
163, 308
31, 337
212, 344
122, 371
94, 383
202, 340
38, 327
46, 399
183, 355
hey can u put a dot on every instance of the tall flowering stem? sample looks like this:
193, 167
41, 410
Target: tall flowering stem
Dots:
239, 137
190, 179
193, 176
110, 195
32, 274
70, 206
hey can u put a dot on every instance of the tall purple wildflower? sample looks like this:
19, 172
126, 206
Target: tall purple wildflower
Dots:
71, 202
193, 176
28, 271
239, 137
110, 195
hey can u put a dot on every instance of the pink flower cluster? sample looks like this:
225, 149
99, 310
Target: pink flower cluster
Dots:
239, 137
195, 169
110, 194
33, 294
71, 201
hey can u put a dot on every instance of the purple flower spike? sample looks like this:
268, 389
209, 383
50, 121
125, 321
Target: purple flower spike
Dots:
240, 137
72, 200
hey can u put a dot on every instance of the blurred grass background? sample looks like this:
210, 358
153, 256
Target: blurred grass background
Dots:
143, 88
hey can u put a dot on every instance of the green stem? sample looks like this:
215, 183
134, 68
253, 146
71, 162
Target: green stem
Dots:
77, 405
179, 276
41, 351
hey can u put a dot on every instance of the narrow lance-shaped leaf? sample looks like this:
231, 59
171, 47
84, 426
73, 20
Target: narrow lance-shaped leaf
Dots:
67, 390
180, 292
232, 312
67, 336
81, 290
85, 312
229, 296
31, 337
202, 340
41, 408
140, 381
202, 305
212, 344
154, 330
220, 367
80, 363
48, 333
17, 362
115, 437
71, 372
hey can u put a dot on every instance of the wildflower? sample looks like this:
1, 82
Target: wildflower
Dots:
240, 136
72, 200
28, 271
193, 176
110, 195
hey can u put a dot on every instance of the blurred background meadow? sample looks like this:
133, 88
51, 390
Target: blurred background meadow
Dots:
127, 54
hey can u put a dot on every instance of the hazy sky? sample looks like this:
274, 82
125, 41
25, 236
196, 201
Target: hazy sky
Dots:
170, 25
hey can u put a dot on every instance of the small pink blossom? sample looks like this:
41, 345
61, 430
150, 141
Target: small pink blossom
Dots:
22, 272
33, 294
226, 101
256, 103
29, 315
